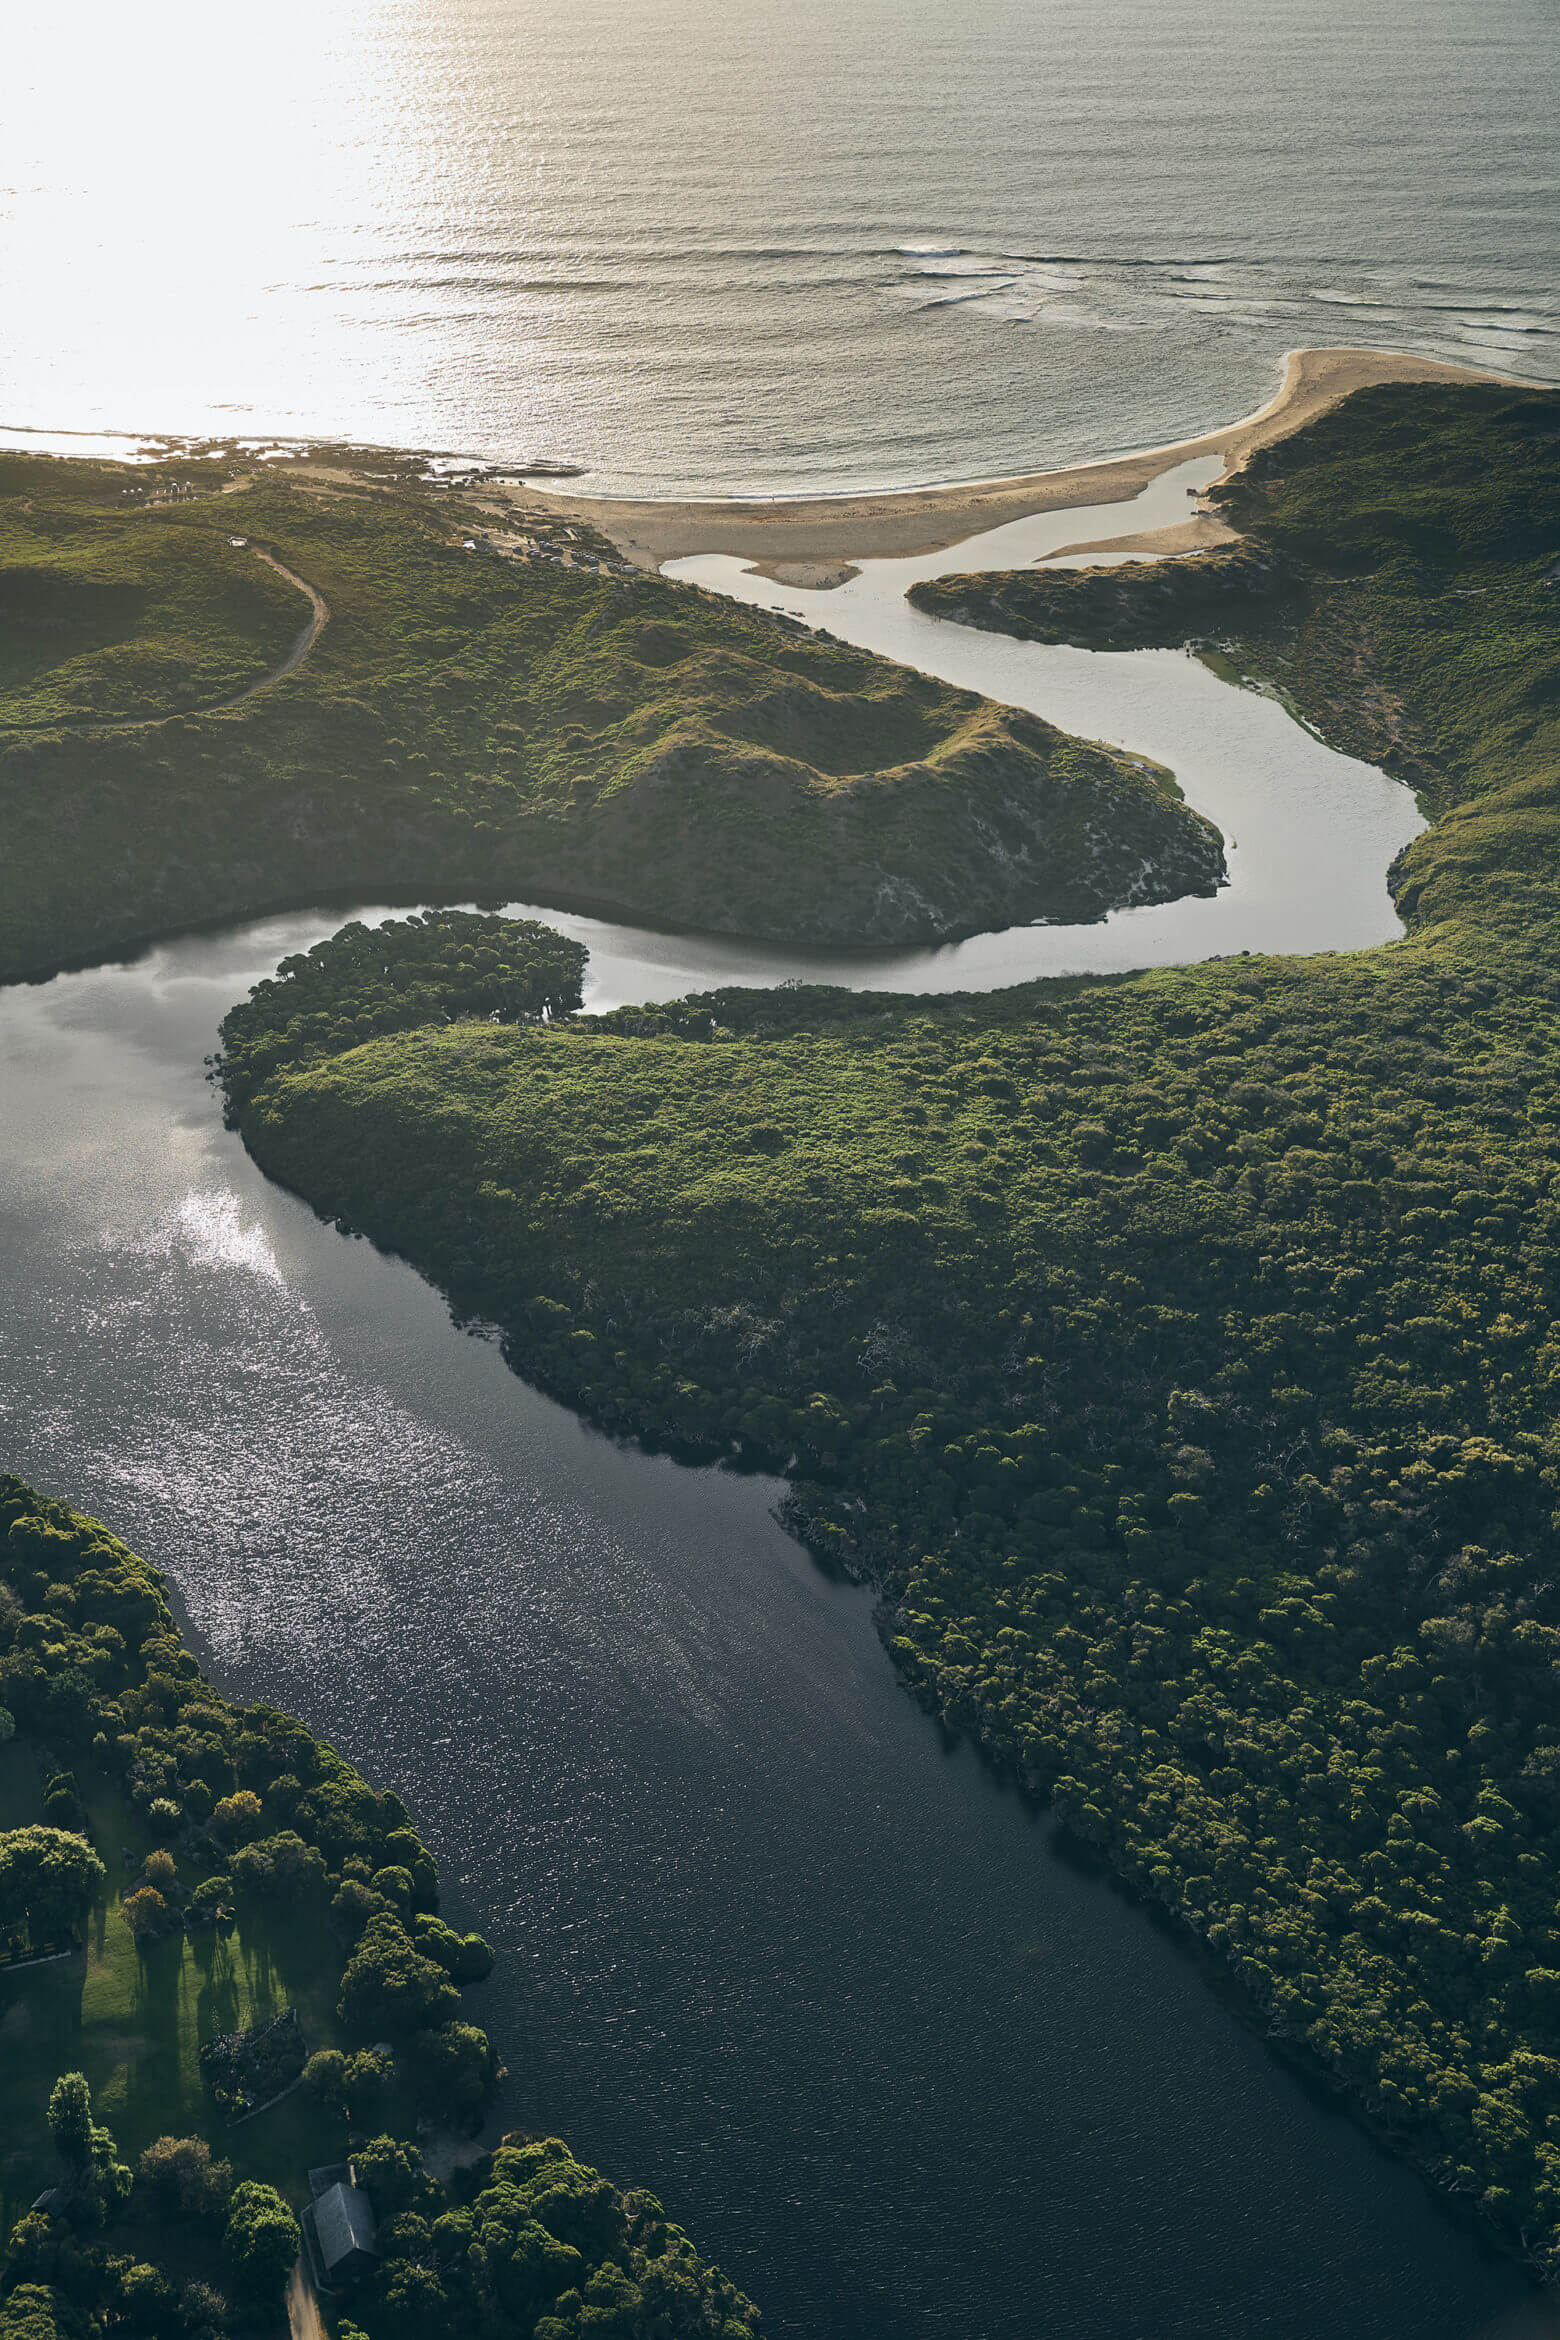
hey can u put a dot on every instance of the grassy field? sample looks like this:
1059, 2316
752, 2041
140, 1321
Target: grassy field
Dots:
1176, 1351
134, 2019
107, 615
471, 724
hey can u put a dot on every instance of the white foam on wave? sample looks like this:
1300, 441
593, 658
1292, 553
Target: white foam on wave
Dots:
976, 296
967, 264
1075, 319
1249, 302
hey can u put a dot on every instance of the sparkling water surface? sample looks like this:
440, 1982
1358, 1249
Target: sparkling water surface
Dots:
767, 1943
694, 244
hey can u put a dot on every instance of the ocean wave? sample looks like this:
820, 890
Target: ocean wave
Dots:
954, 300
509, 285
1073, 319
1508, 322
968, 264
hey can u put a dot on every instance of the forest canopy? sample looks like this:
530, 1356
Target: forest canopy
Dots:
1176, 1352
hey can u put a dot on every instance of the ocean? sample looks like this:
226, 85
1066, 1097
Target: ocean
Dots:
749, 245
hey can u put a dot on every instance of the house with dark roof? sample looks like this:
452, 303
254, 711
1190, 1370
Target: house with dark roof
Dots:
338, 2229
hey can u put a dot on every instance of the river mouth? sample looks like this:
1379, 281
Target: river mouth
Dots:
768, 1943
1309, 833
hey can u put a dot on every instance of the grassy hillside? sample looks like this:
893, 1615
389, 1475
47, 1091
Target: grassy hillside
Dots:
107, 612
1176, 1351
470, 724
1138, 605
243, 1869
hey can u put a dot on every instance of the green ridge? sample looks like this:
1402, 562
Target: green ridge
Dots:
1177, 1351
467, 724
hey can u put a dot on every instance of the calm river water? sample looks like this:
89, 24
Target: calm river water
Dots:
766, 1943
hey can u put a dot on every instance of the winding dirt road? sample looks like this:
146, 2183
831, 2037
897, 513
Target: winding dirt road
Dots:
308, 634
303, 2312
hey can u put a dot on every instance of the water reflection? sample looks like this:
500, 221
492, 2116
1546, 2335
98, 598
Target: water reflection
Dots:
766, 1943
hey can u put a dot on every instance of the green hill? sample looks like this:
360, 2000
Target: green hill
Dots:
467, 724
1177, 1352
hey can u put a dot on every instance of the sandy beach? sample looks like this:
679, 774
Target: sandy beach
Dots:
806, 541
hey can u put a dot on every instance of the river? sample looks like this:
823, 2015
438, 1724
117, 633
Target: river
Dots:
767, 1943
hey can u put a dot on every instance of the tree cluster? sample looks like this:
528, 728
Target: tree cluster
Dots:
49, 1878
438, 966
92, 1662
531, 2245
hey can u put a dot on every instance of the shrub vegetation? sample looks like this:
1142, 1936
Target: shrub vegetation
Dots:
1177, 1352
468, 724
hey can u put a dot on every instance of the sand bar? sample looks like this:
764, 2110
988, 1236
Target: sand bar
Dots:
803, 532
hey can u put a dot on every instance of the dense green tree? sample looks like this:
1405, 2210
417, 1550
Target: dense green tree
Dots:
350, 2087
148, 2302
260, 2240
48, 1880
390, 2171
465, 1958
282, 1869
95, 2181
70, 2121
212, 1895
454, 2071
389, 1986
181, 2177
35, 2312
238, 1817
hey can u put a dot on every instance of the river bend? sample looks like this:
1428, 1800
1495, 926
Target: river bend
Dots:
767, 1943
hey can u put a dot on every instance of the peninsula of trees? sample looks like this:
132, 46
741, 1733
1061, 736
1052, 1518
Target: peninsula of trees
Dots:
1176, 1352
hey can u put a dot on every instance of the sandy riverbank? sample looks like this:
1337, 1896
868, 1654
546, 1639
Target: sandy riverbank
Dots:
802, 540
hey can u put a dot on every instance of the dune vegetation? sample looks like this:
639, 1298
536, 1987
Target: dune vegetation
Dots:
1177, 1352
222, 1963
1135, 605
467, 723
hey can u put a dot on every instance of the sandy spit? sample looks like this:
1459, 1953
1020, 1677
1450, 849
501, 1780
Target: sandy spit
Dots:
819, 533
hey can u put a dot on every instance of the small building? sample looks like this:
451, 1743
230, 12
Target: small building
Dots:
338, 2230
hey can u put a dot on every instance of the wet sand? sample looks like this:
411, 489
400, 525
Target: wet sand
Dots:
802, 539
